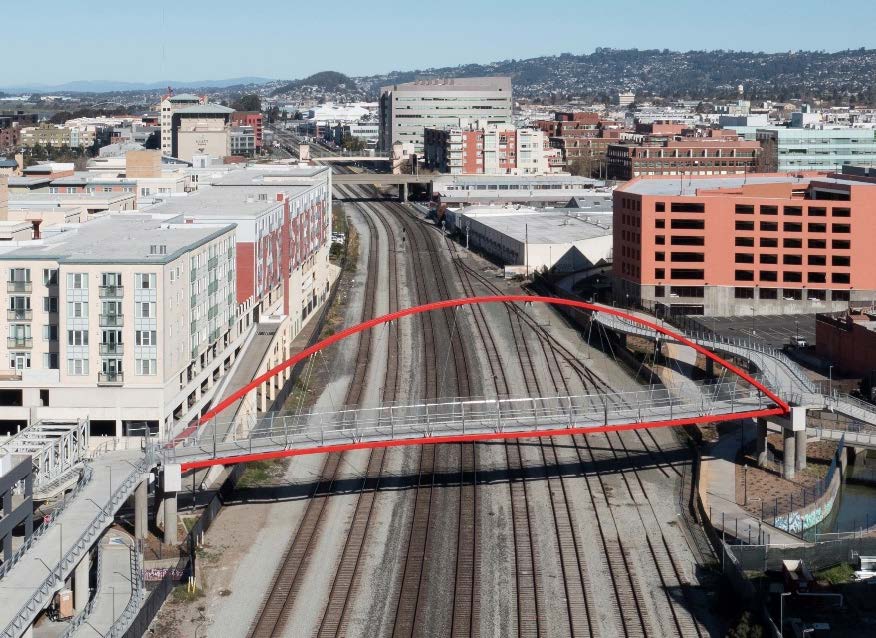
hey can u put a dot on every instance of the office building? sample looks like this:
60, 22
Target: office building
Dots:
169, 105
682, 156
253, 120
493, 150
743, 245
201, 130
128, 319
406, 110
805, 149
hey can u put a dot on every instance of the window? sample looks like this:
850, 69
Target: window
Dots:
793, 260
660, 207
77, 367
687, 207
744, 258
769, 293
50, 277
659, 256
695, 292
769, 242
746, 225
792, 276
744, 275
659, 223
687, 273
681, 240
840, 244
840, 260
841, 212
688, 257
745, 209
145, 310
145, 281
50, 304
77, 309
793, 211
77, 337
794, 294
745, 241
659, 273
50, 333
768, 258
792, 243
659, 291
146, 338
691, 224
50, 362
767, 226
769, 210
840, 278
146, 366
816, 260
660, 240
817, 228
77, 280
817, 243
840, 295
792, 227
768, 275
841, 228
744, 293
817, 212
816, 278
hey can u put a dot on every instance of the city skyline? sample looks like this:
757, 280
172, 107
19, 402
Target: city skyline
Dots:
190, 42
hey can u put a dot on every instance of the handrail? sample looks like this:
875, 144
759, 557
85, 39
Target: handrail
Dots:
46, 588
120, 625
81, 617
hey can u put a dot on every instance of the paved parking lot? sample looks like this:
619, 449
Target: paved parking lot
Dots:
775, 330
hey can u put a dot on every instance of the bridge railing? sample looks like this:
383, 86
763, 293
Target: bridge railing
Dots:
470, 417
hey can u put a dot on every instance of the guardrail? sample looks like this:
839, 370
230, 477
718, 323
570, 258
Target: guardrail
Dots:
6, 567
138, 590
81, 617
68, 560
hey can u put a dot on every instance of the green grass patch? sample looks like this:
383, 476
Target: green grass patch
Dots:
189, 522
261, 472
837, 575
181, 594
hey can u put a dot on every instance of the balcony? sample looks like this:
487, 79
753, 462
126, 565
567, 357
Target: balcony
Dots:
212, 263
106, 292
112, 321
112, 348
19, 314
19, 343
19, 286
212, 287
110, 378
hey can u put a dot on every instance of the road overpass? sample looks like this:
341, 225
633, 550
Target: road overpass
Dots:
383, 179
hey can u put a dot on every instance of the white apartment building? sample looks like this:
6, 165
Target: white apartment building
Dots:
407, 109
169, 105
128, 319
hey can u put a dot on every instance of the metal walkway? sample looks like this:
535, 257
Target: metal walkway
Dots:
474, 419
57, 448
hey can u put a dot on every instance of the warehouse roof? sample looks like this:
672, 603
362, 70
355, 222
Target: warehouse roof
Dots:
539, 226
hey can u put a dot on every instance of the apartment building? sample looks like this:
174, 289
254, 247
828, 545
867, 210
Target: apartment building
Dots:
47, 134
806, 149
254, 120
169, 105
493, 150
682, 156
129, 319
755, 244
283, 220
406, 110
201, 130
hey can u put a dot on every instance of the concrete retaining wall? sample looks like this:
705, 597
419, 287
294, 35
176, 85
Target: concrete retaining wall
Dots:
799, 521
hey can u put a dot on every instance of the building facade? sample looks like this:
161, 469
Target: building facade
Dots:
759, 244
494, 150
255, 121
169, 105
686, 156
201, 130
406, 110
128, 318
802, 149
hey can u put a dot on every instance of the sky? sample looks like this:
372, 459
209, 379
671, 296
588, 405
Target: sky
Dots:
288, 39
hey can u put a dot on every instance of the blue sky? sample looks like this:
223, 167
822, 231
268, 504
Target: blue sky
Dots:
216, 39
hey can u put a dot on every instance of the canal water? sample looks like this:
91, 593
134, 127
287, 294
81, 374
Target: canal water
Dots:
856, 504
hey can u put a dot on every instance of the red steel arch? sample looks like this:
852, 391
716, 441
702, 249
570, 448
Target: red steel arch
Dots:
782, 406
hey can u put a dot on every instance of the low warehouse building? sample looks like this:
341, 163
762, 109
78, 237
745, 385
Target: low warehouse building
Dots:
526, 240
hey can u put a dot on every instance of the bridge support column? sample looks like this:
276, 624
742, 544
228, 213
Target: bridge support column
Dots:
800, 450
141, 510
788, 465
171, 485
403, 192
762, 431
80, 583
710, 368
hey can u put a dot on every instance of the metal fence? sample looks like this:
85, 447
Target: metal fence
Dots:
820, 555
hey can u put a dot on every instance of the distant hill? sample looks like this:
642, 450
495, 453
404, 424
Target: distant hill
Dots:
694, 75
107, 86
326, 80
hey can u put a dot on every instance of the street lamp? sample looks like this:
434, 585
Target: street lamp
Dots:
830, 381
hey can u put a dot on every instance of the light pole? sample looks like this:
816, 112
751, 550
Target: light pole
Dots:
830, 381
753, 331
782, 610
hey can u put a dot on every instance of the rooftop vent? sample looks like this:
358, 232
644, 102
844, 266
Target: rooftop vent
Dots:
158, 249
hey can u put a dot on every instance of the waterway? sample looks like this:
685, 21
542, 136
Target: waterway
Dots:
856, 504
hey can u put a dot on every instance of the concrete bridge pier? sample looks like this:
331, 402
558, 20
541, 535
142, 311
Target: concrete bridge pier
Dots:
762, 431
141, 510
80, 583
403, 192
800, 449
171, 486
789, 462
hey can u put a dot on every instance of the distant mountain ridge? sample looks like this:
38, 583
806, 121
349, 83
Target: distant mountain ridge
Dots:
108, 86
326, 80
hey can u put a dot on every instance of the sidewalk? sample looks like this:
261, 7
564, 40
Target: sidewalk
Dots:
718, 471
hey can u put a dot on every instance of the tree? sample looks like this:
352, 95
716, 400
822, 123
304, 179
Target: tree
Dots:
350, 143
250, 102
153, 141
